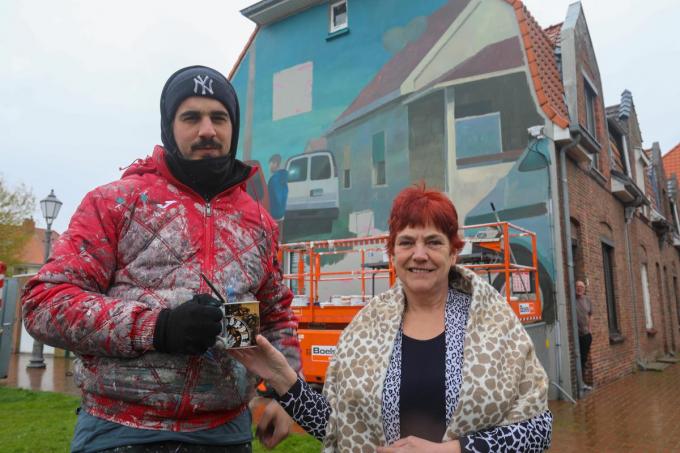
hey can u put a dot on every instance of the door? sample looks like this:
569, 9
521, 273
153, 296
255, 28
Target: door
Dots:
9, 297
427, 140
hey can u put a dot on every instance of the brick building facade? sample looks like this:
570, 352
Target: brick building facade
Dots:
622, 226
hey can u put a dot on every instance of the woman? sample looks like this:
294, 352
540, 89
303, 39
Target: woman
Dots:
437, 363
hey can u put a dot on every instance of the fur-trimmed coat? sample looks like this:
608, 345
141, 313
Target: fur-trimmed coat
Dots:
503, 381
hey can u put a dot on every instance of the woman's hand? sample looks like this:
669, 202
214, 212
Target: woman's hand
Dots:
268, 363
412, 444
274, 425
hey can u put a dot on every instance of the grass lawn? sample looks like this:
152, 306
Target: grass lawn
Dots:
43, 422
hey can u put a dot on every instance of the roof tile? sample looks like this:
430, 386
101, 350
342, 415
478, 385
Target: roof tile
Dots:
671, 161
544, 70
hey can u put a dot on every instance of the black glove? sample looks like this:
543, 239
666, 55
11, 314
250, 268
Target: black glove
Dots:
190, 328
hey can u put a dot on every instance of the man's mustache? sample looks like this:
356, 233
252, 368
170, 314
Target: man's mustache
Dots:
206, 144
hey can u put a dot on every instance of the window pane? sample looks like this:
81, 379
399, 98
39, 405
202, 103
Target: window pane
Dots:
321, 168
339, 15
380, 177
478, 136
646, 304
590, 109
378, 149
297, 170
608, 265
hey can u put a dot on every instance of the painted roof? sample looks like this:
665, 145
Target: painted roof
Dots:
671, 162
544, 73
390, 77
537, 46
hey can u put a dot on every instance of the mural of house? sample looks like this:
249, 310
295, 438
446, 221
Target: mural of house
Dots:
363, 98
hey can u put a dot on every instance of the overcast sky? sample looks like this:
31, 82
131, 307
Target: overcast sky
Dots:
80, 80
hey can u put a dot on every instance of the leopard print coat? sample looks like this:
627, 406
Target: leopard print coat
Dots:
503, 381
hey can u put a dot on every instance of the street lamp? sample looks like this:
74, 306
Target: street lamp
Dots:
50, 209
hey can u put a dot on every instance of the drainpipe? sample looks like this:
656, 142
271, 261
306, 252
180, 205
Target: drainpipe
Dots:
576, 137
629, 211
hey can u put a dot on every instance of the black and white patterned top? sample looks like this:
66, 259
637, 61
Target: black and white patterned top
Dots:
311, 410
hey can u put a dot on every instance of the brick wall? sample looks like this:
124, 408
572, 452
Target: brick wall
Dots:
596, 214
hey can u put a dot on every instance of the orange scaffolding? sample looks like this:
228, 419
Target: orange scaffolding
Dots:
321, 321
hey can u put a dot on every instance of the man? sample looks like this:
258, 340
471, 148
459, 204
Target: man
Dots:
278, 189
123, 288
584, 314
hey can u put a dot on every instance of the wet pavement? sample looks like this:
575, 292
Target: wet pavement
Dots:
640, 412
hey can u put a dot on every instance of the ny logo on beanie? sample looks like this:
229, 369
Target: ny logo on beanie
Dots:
206, 84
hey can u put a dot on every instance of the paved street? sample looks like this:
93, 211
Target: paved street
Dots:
639, 413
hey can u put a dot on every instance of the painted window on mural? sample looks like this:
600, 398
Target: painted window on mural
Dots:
338, 16
292, 91
297, 171
346, 179
346, 165
378, 154
478, 135
321, 167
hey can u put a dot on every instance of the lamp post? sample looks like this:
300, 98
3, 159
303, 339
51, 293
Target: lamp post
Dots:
50, 209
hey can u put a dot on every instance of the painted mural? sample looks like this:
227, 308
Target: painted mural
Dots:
436, 91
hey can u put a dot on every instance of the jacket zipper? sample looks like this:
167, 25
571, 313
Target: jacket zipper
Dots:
193, 367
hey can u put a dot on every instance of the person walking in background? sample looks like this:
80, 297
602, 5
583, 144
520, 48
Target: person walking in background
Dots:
584, 315
124, 289
278, 191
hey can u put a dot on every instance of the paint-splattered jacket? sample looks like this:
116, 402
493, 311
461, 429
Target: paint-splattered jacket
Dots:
136, 246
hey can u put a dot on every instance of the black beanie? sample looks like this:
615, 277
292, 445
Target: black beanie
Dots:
196, 81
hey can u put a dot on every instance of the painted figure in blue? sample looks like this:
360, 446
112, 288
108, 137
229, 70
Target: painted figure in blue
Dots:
278, 189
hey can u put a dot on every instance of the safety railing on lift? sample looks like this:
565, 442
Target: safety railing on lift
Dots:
307, 258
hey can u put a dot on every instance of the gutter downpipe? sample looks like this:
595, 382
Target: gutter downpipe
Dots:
576, 138
629, 212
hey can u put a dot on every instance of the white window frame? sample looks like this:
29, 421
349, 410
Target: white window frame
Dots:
332, 28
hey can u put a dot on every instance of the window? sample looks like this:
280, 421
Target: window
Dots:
595, 162
677, 296
346, 179
649, 322
292, 91
641, 175
378, 154
346, 166
297, 171
321, 168
338, 16
590, 98
478, 135
608, 265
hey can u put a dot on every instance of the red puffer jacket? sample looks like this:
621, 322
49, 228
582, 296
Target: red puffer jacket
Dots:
134, 247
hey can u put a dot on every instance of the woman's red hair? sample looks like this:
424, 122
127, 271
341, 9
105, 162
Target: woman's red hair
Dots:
419, 206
